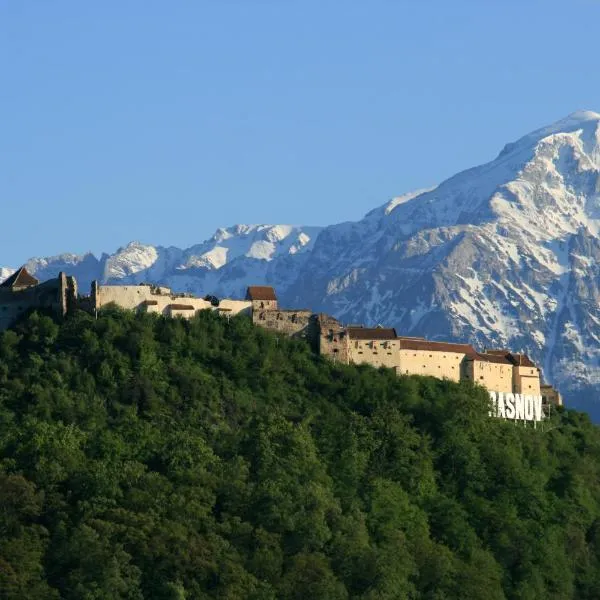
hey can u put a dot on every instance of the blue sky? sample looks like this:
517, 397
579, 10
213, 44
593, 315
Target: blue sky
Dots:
161, 121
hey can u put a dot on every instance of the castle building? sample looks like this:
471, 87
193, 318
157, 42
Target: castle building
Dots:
496, 370
376, 346
418, 356
262, 297
266, 313
500, 371
22, 292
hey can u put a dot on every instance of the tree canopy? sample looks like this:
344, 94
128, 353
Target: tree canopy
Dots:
144, 457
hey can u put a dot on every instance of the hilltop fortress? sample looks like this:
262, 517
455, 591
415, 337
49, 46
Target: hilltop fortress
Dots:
513, 379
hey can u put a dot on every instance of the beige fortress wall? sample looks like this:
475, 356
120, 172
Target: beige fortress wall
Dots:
159, 300
431, 362
495, 376
378, 353
526, 380
235, 307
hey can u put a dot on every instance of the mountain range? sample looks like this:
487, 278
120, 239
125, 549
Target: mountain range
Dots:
503, 255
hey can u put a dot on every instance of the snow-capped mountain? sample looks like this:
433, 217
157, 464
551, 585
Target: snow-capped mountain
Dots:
222, 265
503, 255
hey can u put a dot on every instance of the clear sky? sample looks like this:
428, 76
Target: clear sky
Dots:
160, 121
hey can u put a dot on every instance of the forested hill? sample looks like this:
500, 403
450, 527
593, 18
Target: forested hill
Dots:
144, 457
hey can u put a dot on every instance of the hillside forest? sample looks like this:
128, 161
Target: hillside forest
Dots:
144, 457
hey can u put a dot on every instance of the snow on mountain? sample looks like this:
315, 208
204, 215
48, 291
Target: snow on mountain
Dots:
222, 265
5, 273
505, 254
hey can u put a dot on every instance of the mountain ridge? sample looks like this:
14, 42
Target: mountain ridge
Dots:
501, 254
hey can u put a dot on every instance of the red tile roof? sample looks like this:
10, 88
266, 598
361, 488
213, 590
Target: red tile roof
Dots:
260, 292
20, 278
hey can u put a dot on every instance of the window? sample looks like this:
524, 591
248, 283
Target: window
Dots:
481, 377
335, 350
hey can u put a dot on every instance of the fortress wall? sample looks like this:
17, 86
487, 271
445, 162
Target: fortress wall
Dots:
127, 296
160, 300
333, 341
135, 297
497, 377
55, 295
431, 362
290, 322
379, 353
526, 380
236, 307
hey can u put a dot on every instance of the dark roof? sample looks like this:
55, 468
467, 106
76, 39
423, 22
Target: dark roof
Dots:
493, 357
521, 360
422, 344
260, 292
518, 360
181, 307
20, 278
371, 333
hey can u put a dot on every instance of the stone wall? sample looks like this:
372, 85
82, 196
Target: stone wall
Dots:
333, 341
160, 300
290, 322
57, 295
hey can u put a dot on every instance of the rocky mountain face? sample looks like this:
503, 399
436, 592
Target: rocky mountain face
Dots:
502, 255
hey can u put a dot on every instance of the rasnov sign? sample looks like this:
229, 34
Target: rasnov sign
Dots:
516, 406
